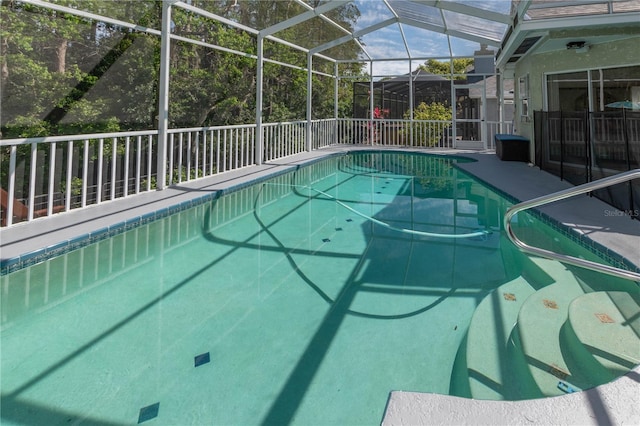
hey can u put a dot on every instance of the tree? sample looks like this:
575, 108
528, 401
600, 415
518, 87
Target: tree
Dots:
437, 118
443, 68
63, 74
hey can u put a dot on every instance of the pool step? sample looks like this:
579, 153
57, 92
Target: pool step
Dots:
494, 366
548, 332
540, 322
607, 327
490, 347
554, 351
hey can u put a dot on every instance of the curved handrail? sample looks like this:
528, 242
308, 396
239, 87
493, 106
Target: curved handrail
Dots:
561, 195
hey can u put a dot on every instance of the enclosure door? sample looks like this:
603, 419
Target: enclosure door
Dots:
468, 113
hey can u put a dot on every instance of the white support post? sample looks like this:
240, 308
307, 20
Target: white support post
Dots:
100, 168
52, 169
410, 81
32, 179
308, 138
259, 100
483, 115
371, 95
336, 89
454, 111
411, 105
12, 184
499, 77
163, 103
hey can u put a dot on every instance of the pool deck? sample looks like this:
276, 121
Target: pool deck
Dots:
614, 403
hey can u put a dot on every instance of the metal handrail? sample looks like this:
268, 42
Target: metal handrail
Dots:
561, 195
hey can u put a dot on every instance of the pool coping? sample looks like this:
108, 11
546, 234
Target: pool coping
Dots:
21, 245
617, 402
614, 403
572, 231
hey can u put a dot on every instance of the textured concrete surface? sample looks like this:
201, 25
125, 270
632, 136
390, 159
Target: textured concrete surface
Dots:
593, 218
616, 403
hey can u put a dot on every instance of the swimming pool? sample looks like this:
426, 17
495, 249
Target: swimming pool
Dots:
305, 299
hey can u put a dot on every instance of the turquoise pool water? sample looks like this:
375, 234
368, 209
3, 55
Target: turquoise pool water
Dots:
303, 299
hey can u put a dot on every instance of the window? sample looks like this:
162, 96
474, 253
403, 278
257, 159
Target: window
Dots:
523, 94
615, 88
594, 90
568, 91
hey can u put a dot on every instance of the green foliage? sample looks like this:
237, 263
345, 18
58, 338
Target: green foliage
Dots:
433, 111
65, 74
27, 127
431, 132
443, 68
76, 186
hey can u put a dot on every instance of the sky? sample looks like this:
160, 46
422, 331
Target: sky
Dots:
387, 42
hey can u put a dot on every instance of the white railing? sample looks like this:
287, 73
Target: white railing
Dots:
324, 133
283, 139
47, 175
195, 153
417, 133
354, 131
495, 128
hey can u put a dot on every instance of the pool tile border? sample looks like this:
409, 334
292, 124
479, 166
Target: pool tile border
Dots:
8, 266
25, 260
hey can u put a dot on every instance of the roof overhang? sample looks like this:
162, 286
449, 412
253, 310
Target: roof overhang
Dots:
541, 36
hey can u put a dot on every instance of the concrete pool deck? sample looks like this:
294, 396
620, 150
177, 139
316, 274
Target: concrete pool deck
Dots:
615, 403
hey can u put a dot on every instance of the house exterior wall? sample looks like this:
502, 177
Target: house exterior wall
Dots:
606, 55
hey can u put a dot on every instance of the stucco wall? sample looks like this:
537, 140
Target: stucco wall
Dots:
613, 54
